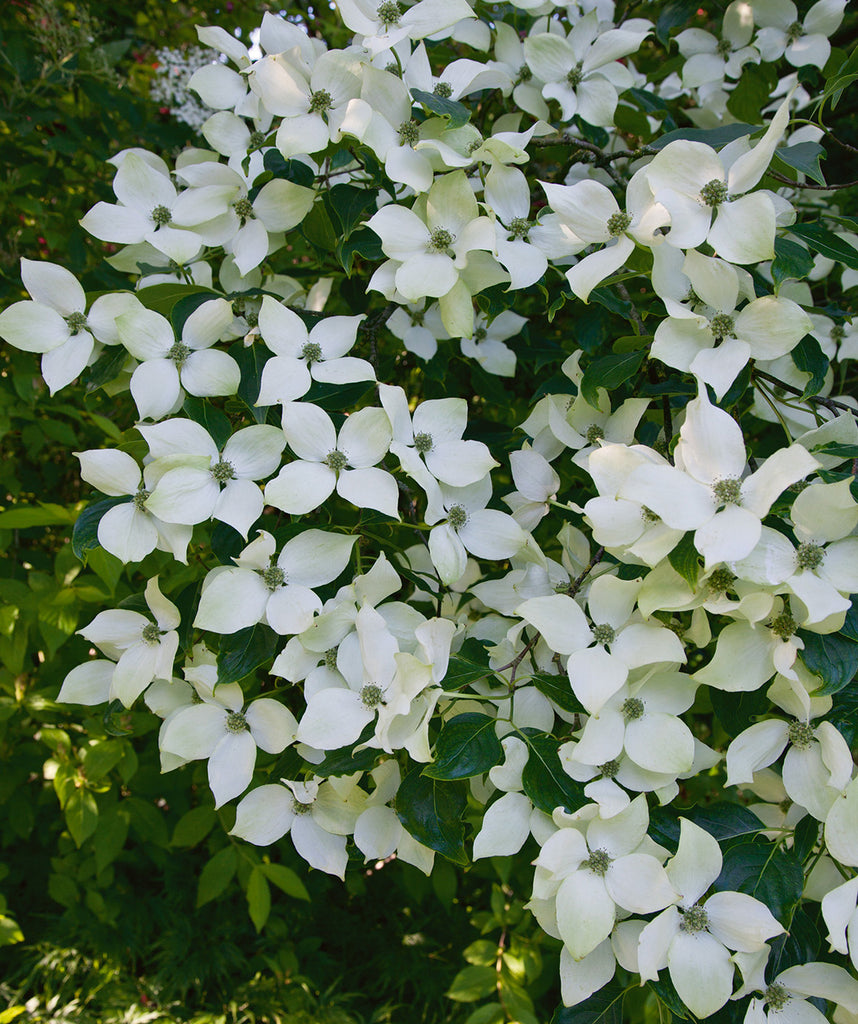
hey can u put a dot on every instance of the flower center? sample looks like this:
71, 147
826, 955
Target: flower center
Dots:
139, 500
320, 101
273, 577
243, 208
457, 516
524, 73
722, 326
223, 471
393, 69
336, 460
576, 75
599, 862
714, 192
800, 735
720, 580
151, 634
794, 32
440, 240
371, 695
311, 351
609, 769
777, 997
299, 808
235, 722
649, 516
480, 333
784, 626
618, 222
694, 920
388, 13
76, 322
632, 709
252, 317
409, 133
603, 633
423, 443
724, 48
161, 215
179, 354
594, 434
519, 227
837, 333
331, 658
443, 89
809, 556
729, 491
257, 139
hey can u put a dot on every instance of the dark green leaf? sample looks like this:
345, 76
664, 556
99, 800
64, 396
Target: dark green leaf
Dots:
290, 170
713, 137
844, 713
801, 945
544, 780
805, 837
467, 666
81, 812
559, 690
194, 826
431, 811
210, 418
769, 873
831, 657
792, 262
751, 95
343, 760
110, 836
671, 15
605, 297
850, 626
286, 880
723, 821
258, 898
348, 205
85, 532
243, 652
458, 113
226, 542
162, 297
823, 241
473, 983
466, 746
102, 757
804, 157
737, 711
685, 559
317, 228
106, 368
609, 372
603, 1007
668, 995
809, 357
216, 875
251, 359
363, 242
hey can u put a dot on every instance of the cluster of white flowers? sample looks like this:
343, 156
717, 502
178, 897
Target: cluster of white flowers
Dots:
169, 85
685, 571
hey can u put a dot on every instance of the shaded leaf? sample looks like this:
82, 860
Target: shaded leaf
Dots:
544, 780
832, 657
243, 652
431, 811
466, 746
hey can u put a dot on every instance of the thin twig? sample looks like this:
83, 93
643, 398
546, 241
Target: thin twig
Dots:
829, 403
807, 185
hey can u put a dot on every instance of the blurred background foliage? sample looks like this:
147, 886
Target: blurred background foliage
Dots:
122, 899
